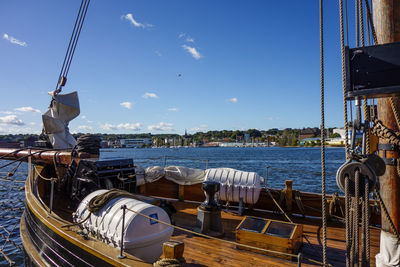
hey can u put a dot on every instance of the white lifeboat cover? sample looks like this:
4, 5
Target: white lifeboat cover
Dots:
236, 185
143, 237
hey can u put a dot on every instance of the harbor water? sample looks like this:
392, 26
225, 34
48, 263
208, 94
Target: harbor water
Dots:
302, 165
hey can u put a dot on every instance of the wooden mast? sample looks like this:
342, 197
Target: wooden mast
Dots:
387, 26
386, 17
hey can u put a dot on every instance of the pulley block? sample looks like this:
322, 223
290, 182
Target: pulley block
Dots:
348, 170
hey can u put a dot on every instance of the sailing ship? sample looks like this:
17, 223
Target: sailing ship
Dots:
85, 211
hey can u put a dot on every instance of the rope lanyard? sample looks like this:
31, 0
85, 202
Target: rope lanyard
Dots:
324, 219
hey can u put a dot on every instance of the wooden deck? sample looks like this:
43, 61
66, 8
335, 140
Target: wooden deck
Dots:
201, 251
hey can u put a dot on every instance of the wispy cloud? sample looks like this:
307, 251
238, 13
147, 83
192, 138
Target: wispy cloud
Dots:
130, 126
192, 51
121, 126
14, 40
162, 126
187, 38
273, 119
201, 128
232, 100
84, 128
150, 95
158, 53
11, 119
173, 109
129, 17
127, 105
6, 112
27, 109
181, 35
108, 126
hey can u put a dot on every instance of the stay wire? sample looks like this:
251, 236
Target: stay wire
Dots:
69, 45
77, 36
73, 42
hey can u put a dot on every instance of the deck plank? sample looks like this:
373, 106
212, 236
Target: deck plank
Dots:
201, 251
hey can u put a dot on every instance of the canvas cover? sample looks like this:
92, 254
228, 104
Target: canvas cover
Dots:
62, 110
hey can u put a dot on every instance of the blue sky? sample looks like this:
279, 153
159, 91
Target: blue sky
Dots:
167, 66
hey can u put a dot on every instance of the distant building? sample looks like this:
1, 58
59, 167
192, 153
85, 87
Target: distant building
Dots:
309, 133
136, 142
30, 141
246, 137
6, 144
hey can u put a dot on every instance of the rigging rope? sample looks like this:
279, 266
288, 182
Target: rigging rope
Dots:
344, 80
72, 45
324, 219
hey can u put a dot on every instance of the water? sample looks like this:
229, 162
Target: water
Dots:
302, 165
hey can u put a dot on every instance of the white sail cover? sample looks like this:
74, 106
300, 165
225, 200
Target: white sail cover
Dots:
62, 110
184, 176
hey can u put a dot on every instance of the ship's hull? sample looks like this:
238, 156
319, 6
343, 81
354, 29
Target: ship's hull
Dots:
47, 243
44, 246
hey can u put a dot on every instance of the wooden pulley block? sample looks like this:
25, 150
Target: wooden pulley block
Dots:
349, 169
373, 143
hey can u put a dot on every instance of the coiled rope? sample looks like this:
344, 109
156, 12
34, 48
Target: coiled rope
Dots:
98, 202
88, 143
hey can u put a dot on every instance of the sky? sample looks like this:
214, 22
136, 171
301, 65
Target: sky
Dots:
166, 66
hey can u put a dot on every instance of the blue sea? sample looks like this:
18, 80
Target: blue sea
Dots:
302, 165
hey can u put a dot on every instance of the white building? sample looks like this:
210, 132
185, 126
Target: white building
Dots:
137, 142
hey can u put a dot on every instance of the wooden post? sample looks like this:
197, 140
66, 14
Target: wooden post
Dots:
386, 15
289, 194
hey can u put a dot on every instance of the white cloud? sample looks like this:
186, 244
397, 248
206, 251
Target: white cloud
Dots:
121, 126
6, 112
11, 119
84, 128
83, 117
162, 126
150, 95
174, 109
32, 123
27, 109
201, 128
232, 100
108, 127
181, 35
188, 39
14, 41
130, 126
127, 105
129, 17
192, 51
158, 53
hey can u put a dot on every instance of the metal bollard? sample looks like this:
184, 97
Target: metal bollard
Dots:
51, 195
266, 175
121, 256
299, 258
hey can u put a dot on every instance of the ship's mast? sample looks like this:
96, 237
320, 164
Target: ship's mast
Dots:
386, 16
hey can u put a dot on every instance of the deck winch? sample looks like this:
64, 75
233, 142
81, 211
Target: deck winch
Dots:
93, 174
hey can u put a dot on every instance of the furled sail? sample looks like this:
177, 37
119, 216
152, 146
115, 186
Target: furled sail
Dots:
62, 110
